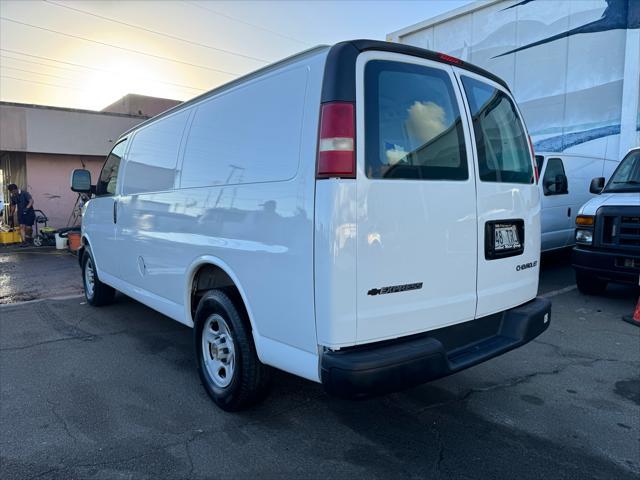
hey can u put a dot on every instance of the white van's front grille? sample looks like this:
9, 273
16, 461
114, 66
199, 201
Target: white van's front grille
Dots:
618, 227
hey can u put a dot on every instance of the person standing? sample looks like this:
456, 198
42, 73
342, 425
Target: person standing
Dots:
22, 202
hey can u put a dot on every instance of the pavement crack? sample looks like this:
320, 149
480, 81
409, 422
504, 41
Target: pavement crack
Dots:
440, 459
118, 461
512, 383
88, 337
61, 419
574, 354
46, 342
189, 456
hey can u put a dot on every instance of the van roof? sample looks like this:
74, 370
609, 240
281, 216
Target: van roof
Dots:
339, 78
237, 81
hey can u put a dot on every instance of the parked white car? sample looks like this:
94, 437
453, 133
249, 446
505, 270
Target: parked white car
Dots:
564, 186
607, 230
363, 215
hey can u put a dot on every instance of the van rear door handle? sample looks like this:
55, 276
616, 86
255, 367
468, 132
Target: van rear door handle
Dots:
115, 211
569, 212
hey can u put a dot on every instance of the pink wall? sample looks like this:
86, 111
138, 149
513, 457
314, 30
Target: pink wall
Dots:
48, 183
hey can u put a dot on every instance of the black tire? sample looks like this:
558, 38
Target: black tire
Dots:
590, 284
101, 293
250, 379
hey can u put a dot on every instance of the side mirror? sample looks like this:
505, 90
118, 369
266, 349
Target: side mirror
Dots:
597, 184
562, 184
81, 181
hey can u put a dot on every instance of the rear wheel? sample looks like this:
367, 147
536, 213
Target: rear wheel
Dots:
96, 292
590, 284
228, 364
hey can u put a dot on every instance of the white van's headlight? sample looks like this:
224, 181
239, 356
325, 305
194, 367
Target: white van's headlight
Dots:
584, 236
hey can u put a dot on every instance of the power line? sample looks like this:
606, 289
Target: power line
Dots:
37, 63
173, 37
78, 37
259, 27
43, 83
38, 73
79, 65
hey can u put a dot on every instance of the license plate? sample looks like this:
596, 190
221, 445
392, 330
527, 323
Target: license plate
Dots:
506, 238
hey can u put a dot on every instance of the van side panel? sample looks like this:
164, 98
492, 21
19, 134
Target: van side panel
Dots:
258, 220
335, 262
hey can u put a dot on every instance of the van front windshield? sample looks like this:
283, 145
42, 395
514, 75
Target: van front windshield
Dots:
626, 178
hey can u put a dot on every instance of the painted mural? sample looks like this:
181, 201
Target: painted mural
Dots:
564, 60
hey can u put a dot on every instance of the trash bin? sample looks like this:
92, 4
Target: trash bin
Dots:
61, 242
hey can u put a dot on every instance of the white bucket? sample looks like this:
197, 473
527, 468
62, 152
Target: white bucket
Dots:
61, 242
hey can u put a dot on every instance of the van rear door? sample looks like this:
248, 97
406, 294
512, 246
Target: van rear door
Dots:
508, 201
416, 198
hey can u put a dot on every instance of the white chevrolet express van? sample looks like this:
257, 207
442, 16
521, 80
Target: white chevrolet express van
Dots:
364, 215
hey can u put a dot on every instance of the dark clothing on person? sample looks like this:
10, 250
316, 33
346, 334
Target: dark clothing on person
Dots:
26, 216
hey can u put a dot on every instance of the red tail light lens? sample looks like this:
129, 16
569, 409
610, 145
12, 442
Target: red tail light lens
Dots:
533, 159
449, 59
337, 140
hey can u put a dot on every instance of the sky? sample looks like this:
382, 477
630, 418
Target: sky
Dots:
87, 54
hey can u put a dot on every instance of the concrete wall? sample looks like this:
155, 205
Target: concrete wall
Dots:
574, 67
38, 129
48, 182
134, 104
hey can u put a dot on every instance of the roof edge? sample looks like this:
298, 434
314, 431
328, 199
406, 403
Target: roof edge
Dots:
443, 17
67, 109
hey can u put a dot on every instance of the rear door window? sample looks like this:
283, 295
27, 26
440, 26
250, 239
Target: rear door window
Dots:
413, 124
501, 142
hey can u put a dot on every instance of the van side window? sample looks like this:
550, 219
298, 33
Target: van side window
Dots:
109, 175
554, 181
501, 142
412, 122
249, 134
151, 162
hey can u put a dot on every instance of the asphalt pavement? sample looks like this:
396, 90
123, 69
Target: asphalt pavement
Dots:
112, 392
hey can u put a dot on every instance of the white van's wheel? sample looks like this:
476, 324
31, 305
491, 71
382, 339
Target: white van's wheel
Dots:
228, 364
218, 350
96, 292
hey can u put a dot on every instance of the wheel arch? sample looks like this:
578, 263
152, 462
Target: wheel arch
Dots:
207, 273
84, 243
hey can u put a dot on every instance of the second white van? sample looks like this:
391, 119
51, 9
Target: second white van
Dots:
564, 188
364, 215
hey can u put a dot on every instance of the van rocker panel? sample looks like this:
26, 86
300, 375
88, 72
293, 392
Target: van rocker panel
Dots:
398, 364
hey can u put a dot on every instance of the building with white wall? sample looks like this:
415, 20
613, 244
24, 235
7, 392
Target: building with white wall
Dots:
573, 66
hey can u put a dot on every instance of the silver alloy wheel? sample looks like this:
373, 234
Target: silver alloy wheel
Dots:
218, 350
89, 278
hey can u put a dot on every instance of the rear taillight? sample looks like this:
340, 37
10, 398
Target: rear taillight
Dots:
337, 140
449, 59
533, 159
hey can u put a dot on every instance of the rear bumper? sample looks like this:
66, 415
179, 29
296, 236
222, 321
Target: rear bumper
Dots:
606, 265
395, 365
